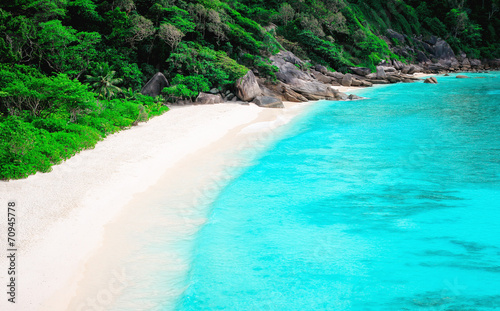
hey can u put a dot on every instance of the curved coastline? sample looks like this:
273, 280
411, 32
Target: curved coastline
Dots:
65, 215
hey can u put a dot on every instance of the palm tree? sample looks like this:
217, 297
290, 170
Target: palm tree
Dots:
104, 82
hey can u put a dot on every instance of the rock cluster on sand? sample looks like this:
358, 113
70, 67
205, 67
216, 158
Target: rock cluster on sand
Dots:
299, 81
208, 99
431, 80
247, 87
268, 102
155, 85
433, 54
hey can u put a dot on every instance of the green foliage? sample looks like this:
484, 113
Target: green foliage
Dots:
49, 47
264, 67
49, 119
332, 53
103, 82
219, 69
41, 95
187, 86
64, 49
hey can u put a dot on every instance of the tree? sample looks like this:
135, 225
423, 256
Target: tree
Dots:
44, 10
126, 5
187, 86
170, 34
104, 82
286, 13
65, 50
140, 30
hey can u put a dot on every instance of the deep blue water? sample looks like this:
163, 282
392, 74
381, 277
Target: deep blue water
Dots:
390, 203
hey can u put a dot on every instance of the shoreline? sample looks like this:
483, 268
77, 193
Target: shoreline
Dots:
65, 214
91, 190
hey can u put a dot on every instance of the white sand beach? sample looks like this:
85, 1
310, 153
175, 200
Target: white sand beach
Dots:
65, 218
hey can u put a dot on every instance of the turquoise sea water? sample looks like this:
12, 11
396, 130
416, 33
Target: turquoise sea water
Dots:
390, 203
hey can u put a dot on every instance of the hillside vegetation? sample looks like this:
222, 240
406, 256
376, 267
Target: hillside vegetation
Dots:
71, 70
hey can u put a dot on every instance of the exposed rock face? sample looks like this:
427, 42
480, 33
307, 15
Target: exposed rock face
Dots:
282, 91
247, 87
442, 50
290, 57
394, 79
421, 57
287, 72
313, 90
336, 75
268, 102
347, 80
381, 73
397, 64
341, 96
321, 69
431, 80
356, 82
475, 63
366, 83
155, 85
388, 69
433, 54
466, 63
354, 97
461, 77
395, 35
323, 78
362, 71
208, 99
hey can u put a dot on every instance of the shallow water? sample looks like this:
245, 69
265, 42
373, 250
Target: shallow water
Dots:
390, 203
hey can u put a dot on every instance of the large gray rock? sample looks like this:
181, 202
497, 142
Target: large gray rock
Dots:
432, 40
372, 75
268, 102
356, 82
443, 50
381, 73
155, 85
412, 70
466, 63
395, 35
431, 80
282, 91
421, 57
394, 79
247, 87
321, 69
289, 57
397, 64
366, 83
355, 97
362, 71
321, 77
312, 90
436, 67
475, 63
337, 75
347, 80
287, 71
341, 96
208, 99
